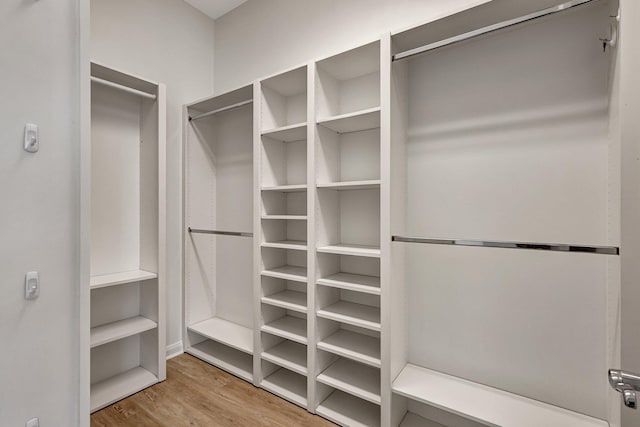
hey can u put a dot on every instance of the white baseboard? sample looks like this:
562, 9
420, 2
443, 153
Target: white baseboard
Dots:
174, 350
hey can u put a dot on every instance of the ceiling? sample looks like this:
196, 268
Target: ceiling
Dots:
215, 8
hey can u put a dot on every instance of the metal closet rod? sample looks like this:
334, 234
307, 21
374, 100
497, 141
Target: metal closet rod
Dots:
220, 110
489, 29
553, 247
220, 232
123, 88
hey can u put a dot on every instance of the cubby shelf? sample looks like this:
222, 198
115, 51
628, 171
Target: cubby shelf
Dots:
291, 300
352, 282
290, 133
224, 357
352, 345
286, 217
353, 122
351, 185
114, 331
346, 410
225, 332
351, 313
288, 385
106, 392
482, 403
287, 272
296, 245
346, 249
288, 354
289, 327
120, 278
354, 378
293, 188
413, 420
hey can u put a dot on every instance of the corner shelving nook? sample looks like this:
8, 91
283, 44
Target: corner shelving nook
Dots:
218, 196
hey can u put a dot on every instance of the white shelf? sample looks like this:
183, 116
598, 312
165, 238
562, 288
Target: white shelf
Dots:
482, 403
352, 345
413, 420
353, 122
357, 250
347, 410
287, 217
296, 245
288, 354
293, 188
288, 385
287, 272
289, 327
121, 278
291, 300
352, 282
120, 386
225, 332
290, 133
354, 378
233, 361
110, 332
351, 185
364, 316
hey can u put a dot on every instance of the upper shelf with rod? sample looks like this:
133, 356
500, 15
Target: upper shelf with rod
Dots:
218, 104
125, 82
486, 18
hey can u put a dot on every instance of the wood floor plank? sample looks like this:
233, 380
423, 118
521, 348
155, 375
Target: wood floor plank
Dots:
197, 394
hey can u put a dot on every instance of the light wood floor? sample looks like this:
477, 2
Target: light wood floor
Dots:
198, 394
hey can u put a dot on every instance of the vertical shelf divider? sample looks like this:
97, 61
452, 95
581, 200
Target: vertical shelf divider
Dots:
311, 235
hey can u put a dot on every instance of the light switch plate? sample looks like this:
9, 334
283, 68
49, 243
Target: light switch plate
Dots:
33, 422
31, 285
31, 138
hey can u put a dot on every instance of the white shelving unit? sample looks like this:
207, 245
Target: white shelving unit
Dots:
127, 336
353, 149
283, 218
218, 196
348, 178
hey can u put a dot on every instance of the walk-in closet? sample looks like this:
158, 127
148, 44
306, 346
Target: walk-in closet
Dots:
365, 213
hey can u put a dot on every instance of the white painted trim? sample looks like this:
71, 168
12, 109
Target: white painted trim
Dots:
83, 293
175, 349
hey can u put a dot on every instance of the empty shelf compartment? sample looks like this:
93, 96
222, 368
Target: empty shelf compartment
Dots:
352, 282
288, 385
347, 410
291, 300
352, 345
353, 122
106, 392
482, 403
288, 354
225, 332
224, 357
364, 316
289, 327
121, 329
121, 278
354, 378
287, 272
289, 133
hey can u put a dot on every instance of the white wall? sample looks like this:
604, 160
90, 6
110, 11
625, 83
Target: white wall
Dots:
170, 42
263, 37
39, 211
